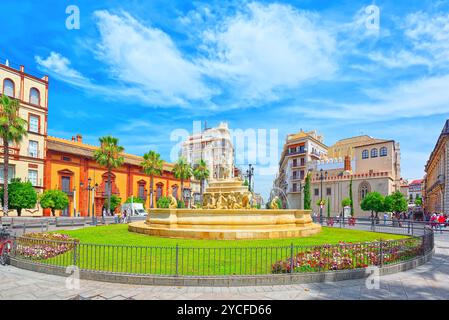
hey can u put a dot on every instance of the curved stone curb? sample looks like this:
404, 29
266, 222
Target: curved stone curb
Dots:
224, 281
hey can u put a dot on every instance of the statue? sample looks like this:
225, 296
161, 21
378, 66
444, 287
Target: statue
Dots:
232, 201
246, 200
209, 201
274, 203
221, 202
173, 202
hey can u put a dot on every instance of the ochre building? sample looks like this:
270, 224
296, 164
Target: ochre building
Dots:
69, 164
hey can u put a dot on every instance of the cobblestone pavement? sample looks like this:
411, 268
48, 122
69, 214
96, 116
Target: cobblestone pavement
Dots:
429, 281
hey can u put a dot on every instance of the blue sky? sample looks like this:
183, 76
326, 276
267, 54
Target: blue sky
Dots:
141, 69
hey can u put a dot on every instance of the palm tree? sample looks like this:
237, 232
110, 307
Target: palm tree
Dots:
183, 171
152, 165
201, 173
108, 155
12, 129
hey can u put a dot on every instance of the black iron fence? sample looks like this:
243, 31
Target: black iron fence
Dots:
219, 261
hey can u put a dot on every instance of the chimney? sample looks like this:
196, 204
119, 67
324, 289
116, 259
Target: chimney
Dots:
73, 138
79, 138
347, 163
22, 69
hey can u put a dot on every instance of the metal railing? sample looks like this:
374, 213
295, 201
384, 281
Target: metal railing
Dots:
219, 261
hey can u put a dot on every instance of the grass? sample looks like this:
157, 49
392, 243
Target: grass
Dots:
118, 250
119, 234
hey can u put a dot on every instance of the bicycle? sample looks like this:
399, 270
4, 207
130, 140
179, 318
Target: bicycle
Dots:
5, 246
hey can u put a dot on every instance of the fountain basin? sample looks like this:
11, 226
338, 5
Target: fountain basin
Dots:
227, 224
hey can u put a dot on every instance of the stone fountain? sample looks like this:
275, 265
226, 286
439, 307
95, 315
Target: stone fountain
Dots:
226, 214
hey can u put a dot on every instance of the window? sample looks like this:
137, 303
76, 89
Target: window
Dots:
301, 174
374, 153
32, 177
33, 124
65, 184
141, 191
33, 149
11, 173
8, 87
328, 191
35, 96
159, 191
66, 159
383, 152
295, 162
364, 188
294, 187
365, 154
316, 191
295, 175
303, 161
175, 191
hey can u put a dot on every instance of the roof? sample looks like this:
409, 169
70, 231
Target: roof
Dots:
418, 181
374, 143
87, 150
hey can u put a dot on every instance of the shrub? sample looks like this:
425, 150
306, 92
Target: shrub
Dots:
163, 202
181, 204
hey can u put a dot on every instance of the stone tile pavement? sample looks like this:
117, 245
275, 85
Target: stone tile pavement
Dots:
429, 281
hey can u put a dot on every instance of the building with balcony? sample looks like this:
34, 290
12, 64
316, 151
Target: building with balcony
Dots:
298, 151
27, 158
214, 146
436, 198
70, 164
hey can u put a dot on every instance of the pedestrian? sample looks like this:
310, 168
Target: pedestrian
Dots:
385, 218
441, 222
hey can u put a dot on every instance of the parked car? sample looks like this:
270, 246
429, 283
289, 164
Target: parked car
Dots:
135, 209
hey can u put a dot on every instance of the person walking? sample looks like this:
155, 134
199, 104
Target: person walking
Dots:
385, 218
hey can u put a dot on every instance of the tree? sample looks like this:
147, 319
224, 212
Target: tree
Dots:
108, 155
12, 130
307, 199
182, 171
418, 201
350, 197
21, 195
54, 200
246, 183
346, 202
201, 173
152, 165
115, 201
373, 202
396, 202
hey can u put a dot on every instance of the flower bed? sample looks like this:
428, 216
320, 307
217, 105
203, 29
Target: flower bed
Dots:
41, 246
349, 256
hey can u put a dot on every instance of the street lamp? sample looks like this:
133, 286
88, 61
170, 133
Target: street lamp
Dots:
250, 174
89, 189
74, 201
321, 177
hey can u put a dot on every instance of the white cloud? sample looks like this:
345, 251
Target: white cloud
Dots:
60, 65
268, 47
401, 59
147, 59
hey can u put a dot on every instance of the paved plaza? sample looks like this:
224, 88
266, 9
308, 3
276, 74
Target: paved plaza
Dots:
429, 281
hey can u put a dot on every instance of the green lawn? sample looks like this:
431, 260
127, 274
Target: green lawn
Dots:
118, 250
119, 234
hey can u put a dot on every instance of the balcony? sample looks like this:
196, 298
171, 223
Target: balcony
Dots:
298, 152
68, 192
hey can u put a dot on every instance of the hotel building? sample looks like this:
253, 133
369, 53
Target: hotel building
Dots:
27, 158
436, 196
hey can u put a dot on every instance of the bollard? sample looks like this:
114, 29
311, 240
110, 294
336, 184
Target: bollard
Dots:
177, 259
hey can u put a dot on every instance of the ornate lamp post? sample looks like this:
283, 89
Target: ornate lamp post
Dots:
90, 189
321, 177
250, 174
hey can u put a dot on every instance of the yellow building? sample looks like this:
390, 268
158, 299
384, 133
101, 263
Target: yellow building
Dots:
27, 158
69, 166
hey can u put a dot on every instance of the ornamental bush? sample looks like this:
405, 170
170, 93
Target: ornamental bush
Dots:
163, 202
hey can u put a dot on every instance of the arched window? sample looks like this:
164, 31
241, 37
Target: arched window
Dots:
365, 154
364, 188
383, 152
8, 87
159, 188
374, 153
35, 96
175, 191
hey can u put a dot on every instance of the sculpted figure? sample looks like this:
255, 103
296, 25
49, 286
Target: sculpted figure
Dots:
246, 200
274, 203
232, 201
209, 201
221, 202
173, 202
